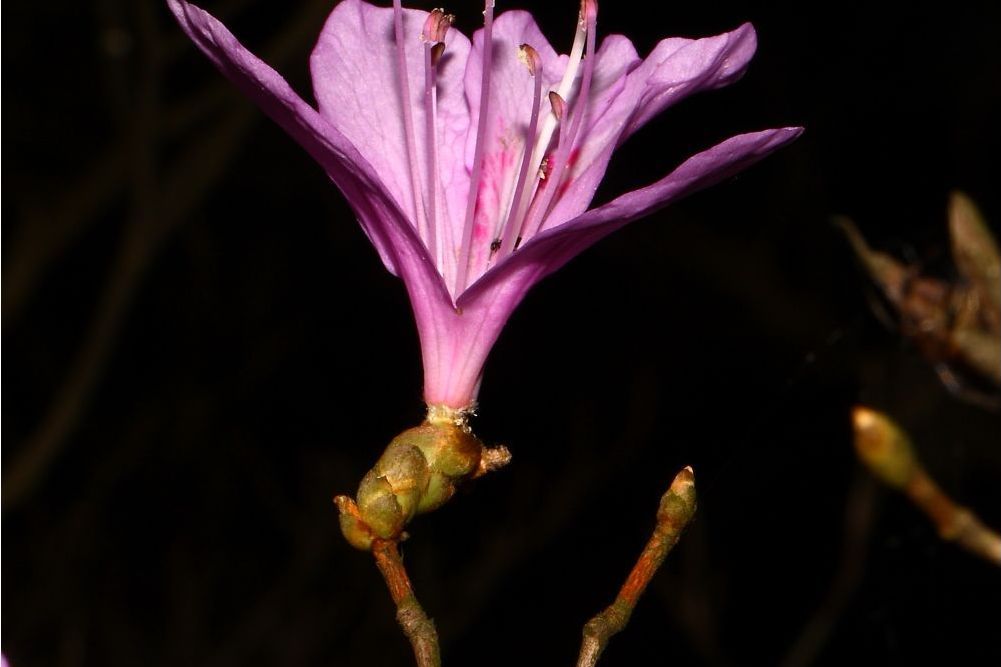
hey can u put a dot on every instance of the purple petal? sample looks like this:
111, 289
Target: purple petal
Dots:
380, 216
614, 62
486, 306
498, 292
682, 67
355, 79
674, 70
349, 170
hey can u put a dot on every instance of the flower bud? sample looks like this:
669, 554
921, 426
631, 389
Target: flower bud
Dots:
419, 471
883, 447
677, 506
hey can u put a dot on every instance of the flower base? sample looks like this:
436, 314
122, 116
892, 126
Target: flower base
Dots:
418, 472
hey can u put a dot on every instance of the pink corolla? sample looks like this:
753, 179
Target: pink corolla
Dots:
471, 169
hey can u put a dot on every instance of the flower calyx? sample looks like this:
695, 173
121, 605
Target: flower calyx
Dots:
419, 471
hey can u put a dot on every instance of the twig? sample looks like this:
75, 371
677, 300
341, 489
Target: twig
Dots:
179, 189
954, 522
887, 451
416, 625
677, 507
859, 514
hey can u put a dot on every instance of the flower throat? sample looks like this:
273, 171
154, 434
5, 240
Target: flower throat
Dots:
544, 164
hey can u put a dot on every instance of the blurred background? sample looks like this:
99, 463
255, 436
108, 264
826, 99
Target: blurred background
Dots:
202, 349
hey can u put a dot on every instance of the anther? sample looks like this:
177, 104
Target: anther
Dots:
568, 135
437, 51
546, 167
548, 125
558, 104
529, 57
436, 26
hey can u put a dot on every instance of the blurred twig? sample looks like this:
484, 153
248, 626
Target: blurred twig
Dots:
858, 523
159, 206
44, 444
45, 235
887, 451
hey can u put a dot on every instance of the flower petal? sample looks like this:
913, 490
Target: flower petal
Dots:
499, 291
355, 79
675, 69
352, 174
683, 66
380, 216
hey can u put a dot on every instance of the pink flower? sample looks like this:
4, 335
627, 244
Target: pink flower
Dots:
471, 170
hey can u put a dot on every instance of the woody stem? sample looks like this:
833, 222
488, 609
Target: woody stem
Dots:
416, 625
953, 521
677, 507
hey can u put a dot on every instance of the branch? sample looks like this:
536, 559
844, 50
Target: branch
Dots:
177, 191
954, 522
416, 625
677, 507
887, 451
857, 526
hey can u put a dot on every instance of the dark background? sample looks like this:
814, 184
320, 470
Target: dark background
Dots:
202, 349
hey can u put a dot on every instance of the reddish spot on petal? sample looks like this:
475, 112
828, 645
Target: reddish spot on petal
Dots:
496, 166
571, 163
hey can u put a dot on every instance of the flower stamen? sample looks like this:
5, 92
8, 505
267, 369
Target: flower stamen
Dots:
558, 104
519, 204
408, 122
549, 122
436, 26
462, 270
568, 135
435, 29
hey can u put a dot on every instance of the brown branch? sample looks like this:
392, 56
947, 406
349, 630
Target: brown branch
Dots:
953, 521
677, 507
416, 625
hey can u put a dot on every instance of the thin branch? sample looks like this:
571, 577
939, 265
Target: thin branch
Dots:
953, 521
857, 527
47, 231
677, 507
416, 625
888, 453
177, 191
46, 441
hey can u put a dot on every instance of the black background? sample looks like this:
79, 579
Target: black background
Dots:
202, 349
